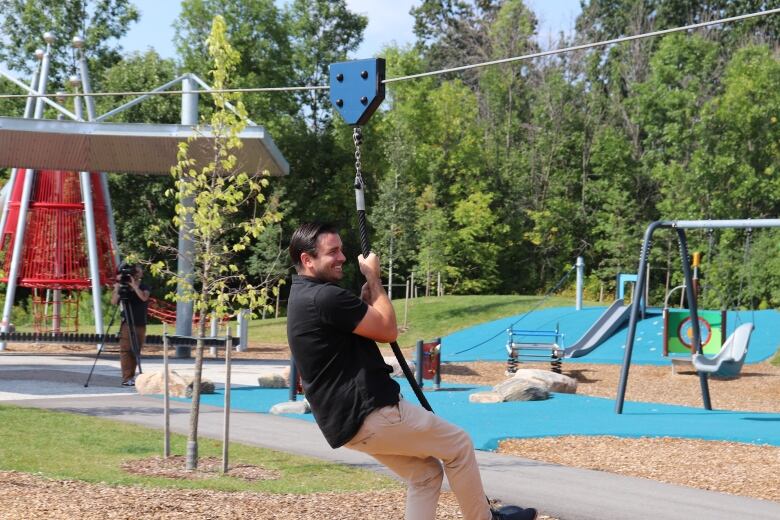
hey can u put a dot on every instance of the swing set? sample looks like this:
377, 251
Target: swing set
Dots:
729, 360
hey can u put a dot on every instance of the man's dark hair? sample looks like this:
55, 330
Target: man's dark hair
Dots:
304, 240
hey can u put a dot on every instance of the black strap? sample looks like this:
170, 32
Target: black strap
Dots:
365, 245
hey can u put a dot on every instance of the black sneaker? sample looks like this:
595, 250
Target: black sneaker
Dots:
514, 513
129, 382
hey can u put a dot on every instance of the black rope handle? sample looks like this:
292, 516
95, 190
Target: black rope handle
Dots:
365, 245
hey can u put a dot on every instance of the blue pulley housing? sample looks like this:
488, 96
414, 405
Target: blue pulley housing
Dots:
357, 88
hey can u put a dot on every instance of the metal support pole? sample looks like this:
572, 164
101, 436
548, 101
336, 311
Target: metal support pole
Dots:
437, 377
243, 330
189, 116
28, 112
406, 304
226, 408
166, 398
91, 116
580, 264
94, 261
293, 380
213, 326
24, 205
634, 315
692, 307
16, 258
86, 86
419, 368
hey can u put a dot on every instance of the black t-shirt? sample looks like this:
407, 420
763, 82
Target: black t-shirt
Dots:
343, 375
137, 306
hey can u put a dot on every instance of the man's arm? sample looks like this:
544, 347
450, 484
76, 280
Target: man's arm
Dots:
379, 323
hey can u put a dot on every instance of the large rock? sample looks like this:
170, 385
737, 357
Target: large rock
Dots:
520, 390
486, 397
206, 387
280, 379
547, 380
299, 407
152, 383
397, 371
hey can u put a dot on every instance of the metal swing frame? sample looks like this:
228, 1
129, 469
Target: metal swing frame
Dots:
679, 226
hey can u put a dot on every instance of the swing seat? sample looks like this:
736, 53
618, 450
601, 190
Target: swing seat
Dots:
728, 362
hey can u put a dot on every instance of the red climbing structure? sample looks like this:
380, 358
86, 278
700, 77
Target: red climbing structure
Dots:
55, 247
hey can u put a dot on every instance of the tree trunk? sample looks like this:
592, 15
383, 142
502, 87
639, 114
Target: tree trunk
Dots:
192, 440
428, 276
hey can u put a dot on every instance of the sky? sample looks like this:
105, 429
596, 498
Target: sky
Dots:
388, 21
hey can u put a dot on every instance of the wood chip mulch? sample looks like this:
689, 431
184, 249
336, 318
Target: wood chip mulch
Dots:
208, 467
728, 467
32, 497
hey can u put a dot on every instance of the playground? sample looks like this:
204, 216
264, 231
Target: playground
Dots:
661, 410
576, 434
664, 409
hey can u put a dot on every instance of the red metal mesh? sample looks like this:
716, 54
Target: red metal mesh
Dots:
55, 249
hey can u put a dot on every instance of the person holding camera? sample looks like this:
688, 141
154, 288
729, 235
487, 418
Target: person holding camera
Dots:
134, 297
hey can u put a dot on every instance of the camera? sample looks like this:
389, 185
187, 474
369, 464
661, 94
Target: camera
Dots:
125, 275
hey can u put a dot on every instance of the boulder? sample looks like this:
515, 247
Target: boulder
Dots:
298, 407
547, 380
274, 380
153, 383
514, 389
486, 397
206, 387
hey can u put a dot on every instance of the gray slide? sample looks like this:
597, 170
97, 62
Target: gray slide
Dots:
605, 326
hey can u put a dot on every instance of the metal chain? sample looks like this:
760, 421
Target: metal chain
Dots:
357, 139
745, 259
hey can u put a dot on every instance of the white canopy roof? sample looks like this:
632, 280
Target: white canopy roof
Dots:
123, 147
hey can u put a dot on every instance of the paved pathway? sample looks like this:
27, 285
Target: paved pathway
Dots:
57, 382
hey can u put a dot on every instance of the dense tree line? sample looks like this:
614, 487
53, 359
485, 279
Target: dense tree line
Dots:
495, 178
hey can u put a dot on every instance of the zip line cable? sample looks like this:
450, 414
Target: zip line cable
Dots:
529, 311
524, 57
586, 46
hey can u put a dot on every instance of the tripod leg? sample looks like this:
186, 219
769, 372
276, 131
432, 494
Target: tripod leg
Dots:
100, 349
86, 384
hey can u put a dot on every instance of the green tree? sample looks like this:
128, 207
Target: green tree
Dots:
140, 72
668, 108
394, 215
432, 229
613, 202
148, 208
260, 32
99, 22
322, 33
473, 248
217, 191
740, 156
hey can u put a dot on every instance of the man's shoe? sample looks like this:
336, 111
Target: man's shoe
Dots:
514, 513
129, 382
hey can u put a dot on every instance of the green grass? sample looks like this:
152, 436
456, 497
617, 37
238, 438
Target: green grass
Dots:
67, 446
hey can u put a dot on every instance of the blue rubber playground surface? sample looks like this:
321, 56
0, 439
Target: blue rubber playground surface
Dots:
562, 414
571, 414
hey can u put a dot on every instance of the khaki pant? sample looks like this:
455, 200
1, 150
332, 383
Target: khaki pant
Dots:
414, 444
127, 359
